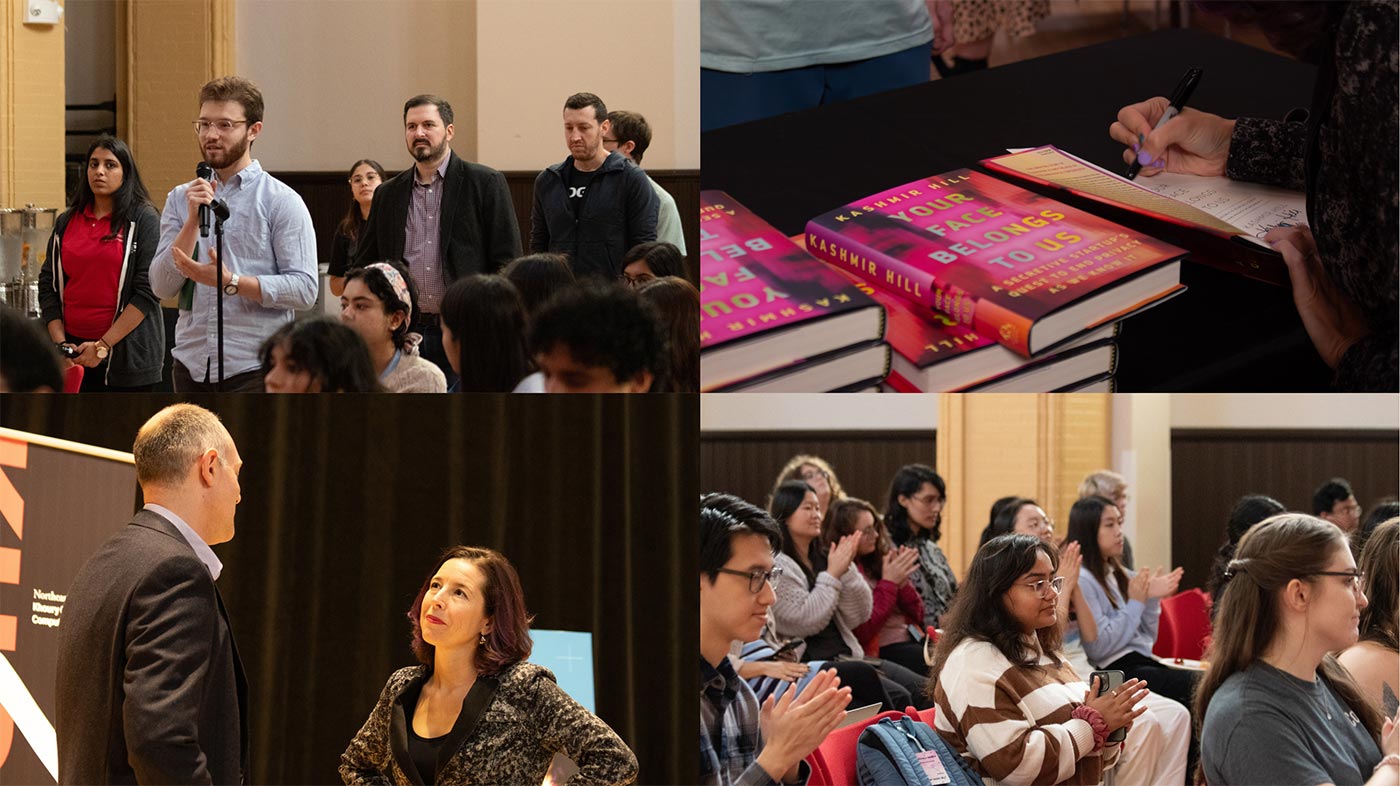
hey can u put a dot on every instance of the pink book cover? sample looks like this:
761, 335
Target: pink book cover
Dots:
990, 255
753, 279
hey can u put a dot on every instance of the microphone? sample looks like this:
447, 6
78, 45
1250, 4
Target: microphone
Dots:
205, 172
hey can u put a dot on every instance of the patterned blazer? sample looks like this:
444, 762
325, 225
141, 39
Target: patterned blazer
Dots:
528, 720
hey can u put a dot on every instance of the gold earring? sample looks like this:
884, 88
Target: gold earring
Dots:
481, 639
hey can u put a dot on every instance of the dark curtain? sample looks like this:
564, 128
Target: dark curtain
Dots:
347, 500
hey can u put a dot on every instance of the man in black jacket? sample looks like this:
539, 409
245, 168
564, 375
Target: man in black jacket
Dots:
594, 205
445, 217
150, 688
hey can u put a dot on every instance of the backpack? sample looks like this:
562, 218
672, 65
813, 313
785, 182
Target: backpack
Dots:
888, 752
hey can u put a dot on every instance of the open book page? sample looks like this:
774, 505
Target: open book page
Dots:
1219, 203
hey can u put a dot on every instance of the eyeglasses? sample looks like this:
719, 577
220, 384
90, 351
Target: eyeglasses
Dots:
1356, 576
222, 126
929, 500
756, 577
358, 179
637, 281
1057, 584
607, 141
812, 474
866, 532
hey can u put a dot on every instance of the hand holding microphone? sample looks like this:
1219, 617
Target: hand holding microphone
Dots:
201, 194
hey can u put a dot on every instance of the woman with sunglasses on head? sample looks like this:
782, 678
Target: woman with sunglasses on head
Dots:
914, 517
1278, 707
1007, 699
94, 291
365, 177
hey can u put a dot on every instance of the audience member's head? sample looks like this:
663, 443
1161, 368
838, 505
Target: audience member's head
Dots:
678, 303
817, 473
1380, 563
598, 338
915, 505
1107, 484
851, 516
365, 177
427, 127
29, 363
380, 302
1248, 511
585, 125
317, 355
631, 134
482, 573
1097, 525
794, 506
1277, 589
130, 194
538, 277
737, 544
1020, 516
1334, 501
648, 261
1381, 512
992, 606
186, 461
483, 333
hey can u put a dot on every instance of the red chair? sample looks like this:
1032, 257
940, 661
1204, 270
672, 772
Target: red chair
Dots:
926, 716
833, 763
1184, 625
73, 378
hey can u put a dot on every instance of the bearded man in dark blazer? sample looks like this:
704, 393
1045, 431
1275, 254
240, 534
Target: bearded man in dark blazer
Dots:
150, 687
444, 217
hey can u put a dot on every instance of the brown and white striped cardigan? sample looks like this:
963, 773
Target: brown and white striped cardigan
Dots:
1012, 723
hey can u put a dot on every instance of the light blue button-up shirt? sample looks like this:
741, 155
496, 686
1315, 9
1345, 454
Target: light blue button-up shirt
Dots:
201, 549
268, 235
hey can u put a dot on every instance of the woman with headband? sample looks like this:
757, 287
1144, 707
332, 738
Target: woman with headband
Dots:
380, 302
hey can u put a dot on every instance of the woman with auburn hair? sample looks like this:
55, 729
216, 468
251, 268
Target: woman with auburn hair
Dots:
1008, 701
1278, 707
1374, 660
817, 473
474, 711
895, 604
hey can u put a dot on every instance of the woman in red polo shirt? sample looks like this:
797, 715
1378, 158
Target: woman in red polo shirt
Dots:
93, 289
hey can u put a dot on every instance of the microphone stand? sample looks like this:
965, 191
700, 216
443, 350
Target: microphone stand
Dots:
220, 211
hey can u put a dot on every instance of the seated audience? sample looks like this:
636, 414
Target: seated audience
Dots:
483, 334
1248, 511
1277, 706
737, 546
473, 710
1125, 604
379, 302
1381, 512
1374, 660
317, 355
1008, 701
895, 605
598, 338
538, 277
821, 599
646, 262
914, 517
678, 303
29, 362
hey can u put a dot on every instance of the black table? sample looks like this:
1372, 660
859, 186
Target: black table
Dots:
1226, 333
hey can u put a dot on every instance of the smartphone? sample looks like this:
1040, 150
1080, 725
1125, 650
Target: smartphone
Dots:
1111, 680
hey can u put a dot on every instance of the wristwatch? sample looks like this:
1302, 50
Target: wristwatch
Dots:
103, 349
231, 288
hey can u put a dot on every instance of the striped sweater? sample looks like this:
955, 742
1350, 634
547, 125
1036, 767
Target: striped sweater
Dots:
1013, 723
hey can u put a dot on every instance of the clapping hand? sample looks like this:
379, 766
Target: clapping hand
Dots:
898, 564
793, 728
841, 554
1070, 560
1161, 584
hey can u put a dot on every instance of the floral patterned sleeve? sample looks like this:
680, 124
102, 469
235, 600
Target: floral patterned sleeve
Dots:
566, 727
1268, 151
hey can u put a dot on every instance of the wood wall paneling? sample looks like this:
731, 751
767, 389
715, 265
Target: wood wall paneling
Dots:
1213, 468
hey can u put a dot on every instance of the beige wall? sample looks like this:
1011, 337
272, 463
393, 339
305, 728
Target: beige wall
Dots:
818, 412
336, 74
31, 110
1270, 410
